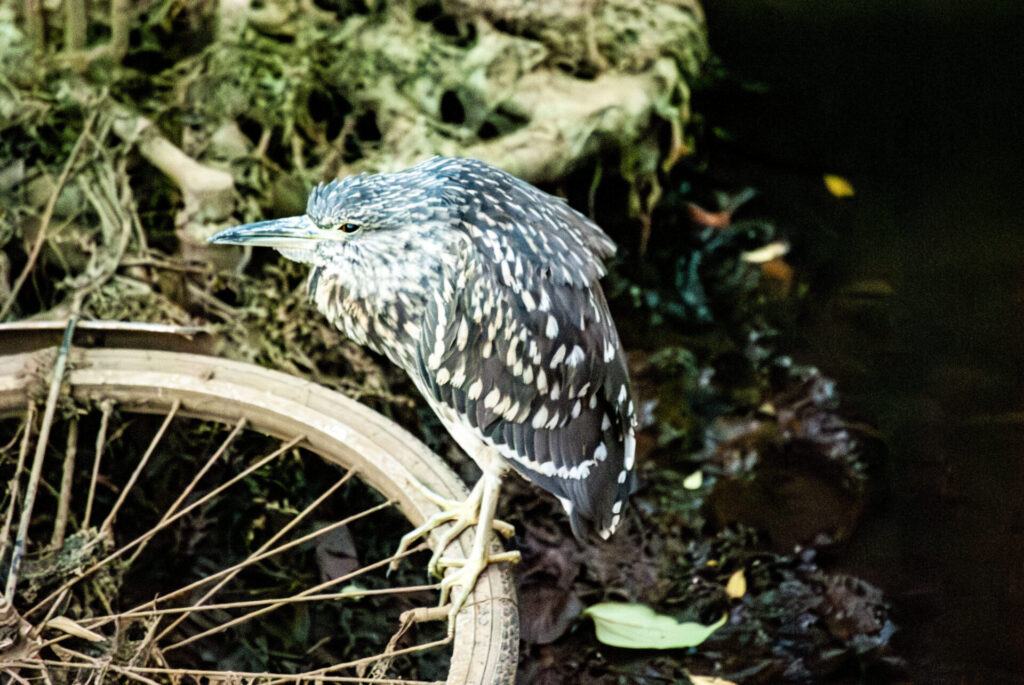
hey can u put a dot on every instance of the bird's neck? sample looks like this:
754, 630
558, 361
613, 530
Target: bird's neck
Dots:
378, 297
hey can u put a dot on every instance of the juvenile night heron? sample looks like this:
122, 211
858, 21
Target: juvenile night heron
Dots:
485, 290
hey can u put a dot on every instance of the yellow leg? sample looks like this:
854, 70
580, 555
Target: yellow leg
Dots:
477, 510
458, 584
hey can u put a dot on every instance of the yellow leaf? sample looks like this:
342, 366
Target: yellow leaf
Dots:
766, 253
68, 626
694, 480
708, 680
838, 186
737, 585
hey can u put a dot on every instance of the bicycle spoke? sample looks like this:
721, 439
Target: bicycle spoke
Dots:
206, 467
107, 408
64, 502
266, 545
156, 529
108, 522
187, 490
366, 661
26, 442
276, 601
316, 588
93, 663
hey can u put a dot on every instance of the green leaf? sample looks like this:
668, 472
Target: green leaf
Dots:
636, 626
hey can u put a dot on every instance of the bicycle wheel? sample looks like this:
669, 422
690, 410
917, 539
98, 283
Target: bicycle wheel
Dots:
170, 434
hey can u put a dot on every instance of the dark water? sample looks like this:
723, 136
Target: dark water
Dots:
919, 105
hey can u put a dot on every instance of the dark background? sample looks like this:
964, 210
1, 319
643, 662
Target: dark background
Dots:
919, 106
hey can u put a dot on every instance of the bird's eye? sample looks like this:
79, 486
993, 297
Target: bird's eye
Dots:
348, 227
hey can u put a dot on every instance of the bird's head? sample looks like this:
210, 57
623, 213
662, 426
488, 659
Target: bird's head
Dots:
350, 219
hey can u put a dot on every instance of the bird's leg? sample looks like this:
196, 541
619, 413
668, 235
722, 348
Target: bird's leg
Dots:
478, 509
469, 569
451, 510
462, 514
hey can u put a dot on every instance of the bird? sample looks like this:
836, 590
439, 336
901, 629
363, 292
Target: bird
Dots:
485, 290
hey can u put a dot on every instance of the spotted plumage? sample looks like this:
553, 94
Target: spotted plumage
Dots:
485, 290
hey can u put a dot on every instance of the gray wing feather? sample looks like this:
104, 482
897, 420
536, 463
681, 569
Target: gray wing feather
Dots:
536, 368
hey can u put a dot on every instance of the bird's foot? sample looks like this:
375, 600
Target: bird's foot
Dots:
461, 514
453, 508
458, 584
477, 510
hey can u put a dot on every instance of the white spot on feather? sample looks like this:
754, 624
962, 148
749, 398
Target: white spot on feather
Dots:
629, 453
510, 356
511, 412
557, 357
581, 470
552, 328
540, 417
575, 357
492, 398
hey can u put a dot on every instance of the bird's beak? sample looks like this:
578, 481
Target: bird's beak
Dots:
291, 233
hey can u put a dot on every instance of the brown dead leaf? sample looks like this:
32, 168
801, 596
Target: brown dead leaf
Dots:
336, 554
548, 604
703, 217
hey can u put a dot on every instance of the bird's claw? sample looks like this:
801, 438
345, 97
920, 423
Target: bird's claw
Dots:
477, 510
463, 580
461, 514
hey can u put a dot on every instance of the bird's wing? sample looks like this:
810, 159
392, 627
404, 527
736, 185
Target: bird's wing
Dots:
532, 364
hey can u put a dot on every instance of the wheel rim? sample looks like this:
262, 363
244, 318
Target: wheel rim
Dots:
332, 426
